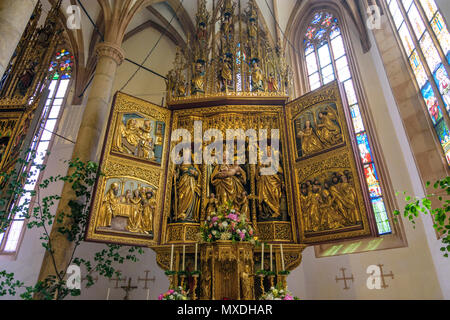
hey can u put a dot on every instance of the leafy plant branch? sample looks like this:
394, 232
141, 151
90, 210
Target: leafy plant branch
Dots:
439, 212
15, 202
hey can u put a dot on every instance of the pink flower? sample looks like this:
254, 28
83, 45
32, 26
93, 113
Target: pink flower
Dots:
288, 297
250, 232
161, 296
171, 291
210, 236
233, 217
242, 235
214, 219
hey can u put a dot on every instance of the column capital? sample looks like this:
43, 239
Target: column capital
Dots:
112, 50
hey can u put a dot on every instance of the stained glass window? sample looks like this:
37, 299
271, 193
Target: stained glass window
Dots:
61, 66
60, 72
426, 42
325, 59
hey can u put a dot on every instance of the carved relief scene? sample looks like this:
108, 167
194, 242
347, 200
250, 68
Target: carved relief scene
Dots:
329, 202
139, 137
317, 130
128, 206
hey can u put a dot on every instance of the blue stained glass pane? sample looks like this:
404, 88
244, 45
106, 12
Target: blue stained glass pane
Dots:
443, 134
372, 181
432, 103
381, 216
443, 83
320, 34
317, 18
364, 148
444, 137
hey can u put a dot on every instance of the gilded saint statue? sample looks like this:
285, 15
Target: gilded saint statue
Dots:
109, 206
148, 211
146, 140
226, 74
198, 79
328, 130
229, 181
128, 138
310, 141
247, 284
135, 213
270, 191
212, 205
330, 218
350, 200
257, 77
187, 192
272, 83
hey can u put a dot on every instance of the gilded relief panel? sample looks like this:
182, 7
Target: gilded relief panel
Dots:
331, 196
128, 199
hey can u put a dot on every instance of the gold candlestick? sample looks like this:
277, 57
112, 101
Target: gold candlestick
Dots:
173, 281
194, 294
182, 279
282, 280
261, 279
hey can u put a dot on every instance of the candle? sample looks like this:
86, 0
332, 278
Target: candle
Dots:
171, 259
148, 294
196, 251
271, 266
262, 257
184, 258
282, 257
107, 294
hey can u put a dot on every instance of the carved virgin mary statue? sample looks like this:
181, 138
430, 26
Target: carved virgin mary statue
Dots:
229, 181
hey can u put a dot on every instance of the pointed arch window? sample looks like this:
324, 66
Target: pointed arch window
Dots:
425, 40
326, 60
60, 72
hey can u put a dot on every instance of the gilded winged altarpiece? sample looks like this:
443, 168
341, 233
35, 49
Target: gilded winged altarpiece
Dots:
235, 80
23, 94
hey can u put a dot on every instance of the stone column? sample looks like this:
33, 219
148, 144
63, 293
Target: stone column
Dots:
95, 118
14, 17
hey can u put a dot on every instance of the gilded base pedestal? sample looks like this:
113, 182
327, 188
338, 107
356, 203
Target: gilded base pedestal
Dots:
227, 271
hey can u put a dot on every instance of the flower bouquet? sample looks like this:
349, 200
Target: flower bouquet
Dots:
278, 293
227, 224
174, 294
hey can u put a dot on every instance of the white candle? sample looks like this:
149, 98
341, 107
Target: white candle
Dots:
148, 294
271, 266
184, 258
196, 251
107, 294
171, 259
282, 257
262, 257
